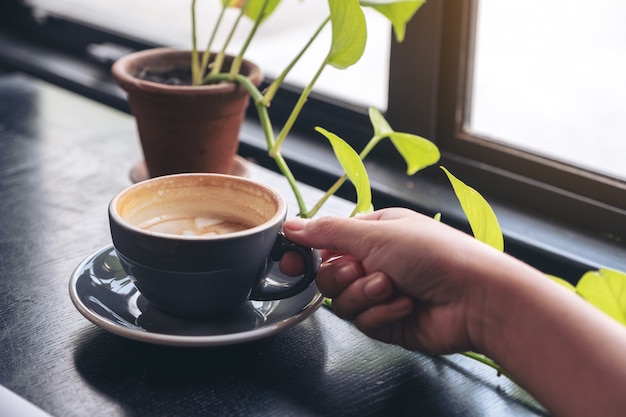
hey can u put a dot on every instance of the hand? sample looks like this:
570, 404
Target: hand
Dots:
401, 276
407, 279
371, 301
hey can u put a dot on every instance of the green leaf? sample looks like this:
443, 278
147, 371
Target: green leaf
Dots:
255, 6
354, 169
233, 3
380, 124
399, 12
418, 152
349, 33
562, 282
479, 213
605, 289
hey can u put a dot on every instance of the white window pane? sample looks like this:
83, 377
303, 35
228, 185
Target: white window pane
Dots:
550, 77
167, 22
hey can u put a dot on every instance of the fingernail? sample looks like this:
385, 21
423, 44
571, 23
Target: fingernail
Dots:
294, 225
375, 287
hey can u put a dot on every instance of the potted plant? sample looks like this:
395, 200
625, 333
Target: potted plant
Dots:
183, 127
204, 72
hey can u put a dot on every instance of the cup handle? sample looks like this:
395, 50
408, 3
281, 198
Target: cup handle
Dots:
271, 289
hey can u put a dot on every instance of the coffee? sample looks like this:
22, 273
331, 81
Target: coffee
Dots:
196, 206
204, 226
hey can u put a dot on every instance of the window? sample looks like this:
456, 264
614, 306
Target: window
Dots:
165, 22
528, 159
550, 80
439, 83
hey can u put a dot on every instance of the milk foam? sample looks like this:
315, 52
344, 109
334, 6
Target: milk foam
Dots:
192, 226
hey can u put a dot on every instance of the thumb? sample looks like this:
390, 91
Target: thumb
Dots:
337, 234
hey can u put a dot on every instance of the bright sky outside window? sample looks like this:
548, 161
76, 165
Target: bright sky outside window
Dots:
167, 22
551, 78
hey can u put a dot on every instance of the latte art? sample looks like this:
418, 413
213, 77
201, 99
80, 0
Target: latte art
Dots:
193, 226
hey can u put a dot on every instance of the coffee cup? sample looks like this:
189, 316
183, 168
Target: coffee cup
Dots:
202, 245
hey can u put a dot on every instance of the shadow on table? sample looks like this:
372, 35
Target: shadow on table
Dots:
231, 380
313, 369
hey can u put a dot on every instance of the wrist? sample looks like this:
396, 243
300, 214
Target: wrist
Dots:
501, 296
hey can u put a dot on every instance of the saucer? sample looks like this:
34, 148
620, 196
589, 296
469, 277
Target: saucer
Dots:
106, 295
139, 171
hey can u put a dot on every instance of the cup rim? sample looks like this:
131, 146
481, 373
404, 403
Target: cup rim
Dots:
278, 217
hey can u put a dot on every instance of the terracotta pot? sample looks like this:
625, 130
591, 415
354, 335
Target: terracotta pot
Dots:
183, 128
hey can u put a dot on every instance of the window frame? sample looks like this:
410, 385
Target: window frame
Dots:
438, 106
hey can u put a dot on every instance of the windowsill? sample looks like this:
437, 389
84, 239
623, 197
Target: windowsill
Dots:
554, 247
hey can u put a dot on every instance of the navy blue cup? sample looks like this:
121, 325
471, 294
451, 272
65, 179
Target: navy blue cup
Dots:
202, 245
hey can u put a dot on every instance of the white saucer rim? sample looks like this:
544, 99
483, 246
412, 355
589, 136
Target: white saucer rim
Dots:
183, 340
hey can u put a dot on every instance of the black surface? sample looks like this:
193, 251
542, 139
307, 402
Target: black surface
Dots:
62, 158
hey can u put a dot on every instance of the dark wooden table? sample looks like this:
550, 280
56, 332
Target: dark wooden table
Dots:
62, 158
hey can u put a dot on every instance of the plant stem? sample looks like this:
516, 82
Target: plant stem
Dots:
286, 171
196, 76
234, 69
254, 92
370, 145
268, 131
296, 111
331, 191
209, 46
278, 159
219, 58
486, 361
273, 88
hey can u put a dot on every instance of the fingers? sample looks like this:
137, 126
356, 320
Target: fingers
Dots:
292, 264
337, 274
384, 321
352, 293
334, 234
353, 236
371, 301
362, 294
344, 280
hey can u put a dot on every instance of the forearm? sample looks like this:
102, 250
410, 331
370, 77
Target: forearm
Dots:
468, 296
566, 353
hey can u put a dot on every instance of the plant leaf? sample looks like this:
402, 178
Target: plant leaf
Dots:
418, 152
255, 6
605, 289
233, 3
399, 12
562, 282
379, 123
354, 169
349, 33
479, 213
